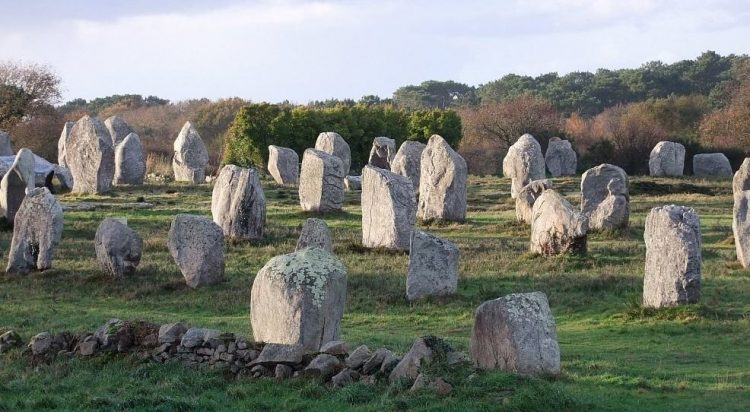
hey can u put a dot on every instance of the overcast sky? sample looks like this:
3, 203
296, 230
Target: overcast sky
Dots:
304, 50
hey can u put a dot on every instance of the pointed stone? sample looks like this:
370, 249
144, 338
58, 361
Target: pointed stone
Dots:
333, 144
90, 157
523, 163
442, 184
16, 182
36, 233
190, 156
130, 161
62, 144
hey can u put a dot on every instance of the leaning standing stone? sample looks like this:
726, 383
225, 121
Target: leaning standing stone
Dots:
17, 181
321, 186
130, 163
62, 144
560, 158
197, 246
433, 266
315, 233
190, 156
283, 165
238, 204
523, 163
673, 257
118, 129
388, 209
118, 248
298, 299
711, 165
667, 159
516, 333
605, 198
382, 152
527, 197
408, 162
333, 144
442, 184
90, 156
556, 226
36, 233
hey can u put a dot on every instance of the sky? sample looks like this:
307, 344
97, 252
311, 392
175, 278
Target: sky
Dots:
275, 50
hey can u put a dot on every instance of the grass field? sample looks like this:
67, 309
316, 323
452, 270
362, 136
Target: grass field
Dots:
615, 355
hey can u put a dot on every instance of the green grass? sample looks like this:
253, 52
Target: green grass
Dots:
615, 355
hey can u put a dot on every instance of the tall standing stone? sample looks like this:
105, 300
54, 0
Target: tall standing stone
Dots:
18, 180
516, 333
673, 257
667, 159
442, 182
605, 198
388, 209
283, 165
527, 197
556, 226
333, 144
118, 129
90, 156
523, 163
433, 266
298, 299
118, 248
6, 146
130, 162
560, 158
408, 162
315, 233
62, 144
197, 246
382, 152
741, 179
238, 204
321, 185
190, 156
741, 226
711, 165
36, 233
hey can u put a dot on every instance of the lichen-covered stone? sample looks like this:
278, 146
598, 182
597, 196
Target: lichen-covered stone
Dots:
556, 226
388, 209
36, 233
130, 161
321, 185
408, 162
605, 198
118, 248
197, 246
333, 144
442, 183
190, 156
523, 163
238, 204
667, 159
62, 144
527, 197
90, 156
283, 165
560, 158
433, 266
18, 180
711, 165
118, 129
298, 299
516, 333
382, 152
315, 233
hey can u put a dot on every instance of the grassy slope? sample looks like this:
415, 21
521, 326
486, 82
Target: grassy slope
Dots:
615, 355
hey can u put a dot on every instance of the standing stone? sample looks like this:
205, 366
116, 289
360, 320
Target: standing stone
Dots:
673, 257
433, 266
315, 233
90, 156
298, 299
118, 129
556, 226
333, 144
62, 144
118, 248
523, 163
352, 183
130, 163
560, 158
6, 146
197, 246
667, 159
408, 162
321, 185
527, 197
36, 233
388, 209
741, 226
18, 180
238, 204
711, 165
605, 198
382, 152
190, 156
741, 179
516, 333
442, 183
283, 165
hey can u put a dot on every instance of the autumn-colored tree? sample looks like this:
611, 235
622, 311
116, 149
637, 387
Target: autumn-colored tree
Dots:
729, 127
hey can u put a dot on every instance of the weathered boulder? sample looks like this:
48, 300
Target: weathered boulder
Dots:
283, 165
523, 163
238, 204
18, 180
560, 158
6, 146
62, 144
171, 332
527, 197
442, 182
321, 185
388, 209
408, 162
358, 357
323, 367
36, 233
197, 246
298, 299
433, 266
556, 226
353, 183
130, 161
118, 248
666, 159
605, 198
118, 129
382, 152
741, 226
673, 257
333, 144
516, 333
315, 233
90, 156
190, 156
711, 165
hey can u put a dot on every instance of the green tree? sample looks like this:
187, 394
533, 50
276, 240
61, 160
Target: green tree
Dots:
14, 104
250, 134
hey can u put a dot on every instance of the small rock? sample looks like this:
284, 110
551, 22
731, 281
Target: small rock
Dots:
454, 358
376, 360
171, 332
283, 371
335, 347
274, 353
88, 348
258, 370
344, 378
419, 355
323, 367
358, 358
41, 343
